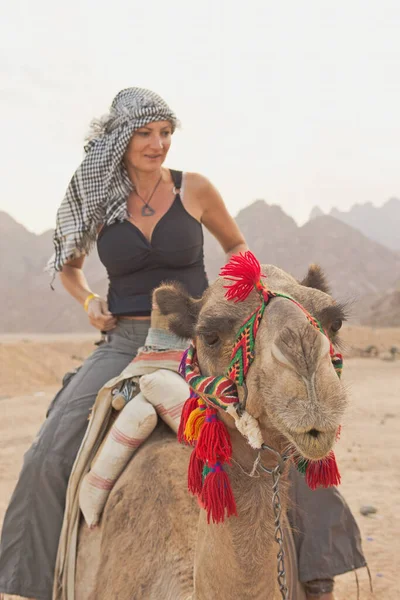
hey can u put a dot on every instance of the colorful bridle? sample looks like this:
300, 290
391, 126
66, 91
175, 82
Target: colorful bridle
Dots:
200, 425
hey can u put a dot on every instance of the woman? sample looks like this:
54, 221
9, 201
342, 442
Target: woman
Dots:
148, 220
147, 223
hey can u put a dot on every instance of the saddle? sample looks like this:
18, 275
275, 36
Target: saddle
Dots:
125, 413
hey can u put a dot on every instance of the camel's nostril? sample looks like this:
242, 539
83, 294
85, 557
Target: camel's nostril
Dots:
314, 433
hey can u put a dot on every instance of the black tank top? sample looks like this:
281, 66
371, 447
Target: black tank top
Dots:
135, 266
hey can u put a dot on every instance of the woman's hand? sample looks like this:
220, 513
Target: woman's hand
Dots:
74, 281
99, 315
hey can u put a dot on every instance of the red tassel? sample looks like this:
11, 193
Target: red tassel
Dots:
217, 497
195, 474
214, 443
338, 433
245, 271
323, 473
190, 404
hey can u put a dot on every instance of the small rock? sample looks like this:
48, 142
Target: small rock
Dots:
368, 510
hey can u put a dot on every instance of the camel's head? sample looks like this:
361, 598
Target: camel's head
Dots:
293, 389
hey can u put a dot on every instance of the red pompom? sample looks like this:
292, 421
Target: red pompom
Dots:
195, 474
245, 271
190, 404
323, 473
217, 497
213, 443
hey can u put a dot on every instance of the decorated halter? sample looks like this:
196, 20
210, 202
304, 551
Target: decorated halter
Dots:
200, 426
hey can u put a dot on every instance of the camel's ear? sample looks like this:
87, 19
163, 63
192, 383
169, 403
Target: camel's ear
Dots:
182, 310
316, 279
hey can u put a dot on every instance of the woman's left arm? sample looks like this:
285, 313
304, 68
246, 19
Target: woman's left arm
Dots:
215, 217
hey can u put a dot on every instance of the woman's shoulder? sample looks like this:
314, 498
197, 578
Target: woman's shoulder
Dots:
197, 183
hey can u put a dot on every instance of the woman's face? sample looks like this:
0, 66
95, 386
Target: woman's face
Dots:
149, 146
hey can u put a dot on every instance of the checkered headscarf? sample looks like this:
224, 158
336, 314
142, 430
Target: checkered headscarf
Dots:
99, 188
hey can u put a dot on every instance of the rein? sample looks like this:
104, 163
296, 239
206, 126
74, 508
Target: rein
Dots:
201, 428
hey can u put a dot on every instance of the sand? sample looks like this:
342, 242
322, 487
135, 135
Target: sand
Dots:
368, 452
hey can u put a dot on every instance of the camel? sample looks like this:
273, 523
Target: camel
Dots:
154, 542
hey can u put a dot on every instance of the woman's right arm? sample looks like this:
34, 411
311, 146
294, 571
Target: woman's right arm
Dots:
74, 280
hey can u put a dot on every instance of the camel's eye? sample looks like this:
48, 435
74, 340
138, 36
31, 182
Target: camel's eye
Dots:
336, 325
211, 339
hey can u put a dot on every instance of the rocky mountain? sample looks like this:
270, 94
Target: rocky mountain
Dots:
316, 212
383, 310
381, 224
266, 229
355, 265
28, 303
358, 268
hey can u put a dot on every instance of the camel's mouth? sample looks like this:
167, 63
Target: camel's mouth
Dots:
314, 444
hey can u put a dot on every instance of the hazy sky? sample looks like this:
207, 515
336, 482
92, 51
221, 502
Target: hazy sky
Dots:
294, 102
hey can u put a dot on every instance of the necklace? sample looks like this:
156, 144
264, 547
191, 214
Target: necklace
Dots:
147, 210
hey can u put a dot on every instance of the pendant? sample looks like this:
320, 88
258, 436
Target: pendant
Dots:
147, 211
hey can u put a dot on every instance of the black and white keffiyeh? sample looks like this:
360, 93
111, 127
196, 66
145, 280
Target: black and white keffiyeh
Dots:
99, 188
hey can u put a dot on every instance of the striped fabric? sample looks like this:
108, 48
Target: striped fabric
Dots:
167, 392
101, 483
163, 393
132, 427
174, 412
124, 440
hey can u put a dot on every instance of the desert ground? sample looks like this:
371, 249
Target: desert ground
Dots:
368, 452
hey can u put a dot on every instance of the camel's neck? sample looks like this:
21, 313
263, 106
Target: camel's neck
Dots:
238, 558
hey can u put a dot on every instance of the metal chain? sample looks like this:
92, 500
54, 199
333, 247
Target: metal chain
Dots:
276, 505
